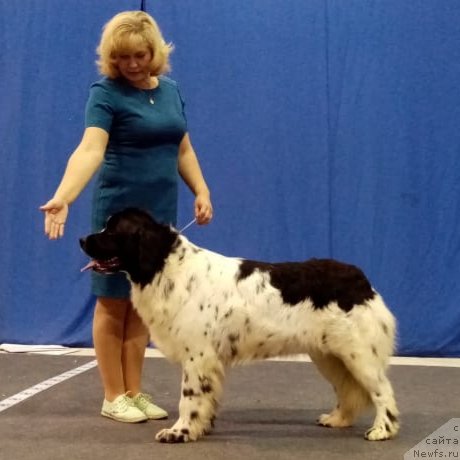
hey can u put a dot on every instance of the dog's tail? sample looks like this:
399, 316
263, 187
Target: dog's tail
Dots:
352, 398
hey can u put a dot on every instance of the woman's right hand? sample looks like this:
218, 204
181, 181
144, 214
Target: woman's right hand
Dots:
56, 211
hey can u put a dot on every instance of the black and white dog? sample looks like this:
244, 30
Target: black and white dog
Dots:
207, 311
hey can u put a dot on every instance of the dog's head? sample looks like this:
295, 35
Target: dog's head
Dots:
132, 242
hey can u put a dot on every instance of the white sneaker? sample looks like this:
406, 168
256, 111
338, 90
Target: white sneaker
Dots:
122, 410
144, 403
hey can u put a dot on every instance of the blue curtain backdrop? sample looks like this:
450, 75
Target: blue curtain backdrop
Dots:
325, 128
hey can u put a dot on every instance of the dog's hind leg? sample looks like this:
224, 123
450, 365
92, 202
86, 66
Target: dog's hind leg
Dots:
201, 391
352, 399
370, 372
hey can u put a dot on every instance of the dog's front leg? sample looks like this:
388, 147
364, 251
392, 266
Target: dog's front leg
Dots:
201, 390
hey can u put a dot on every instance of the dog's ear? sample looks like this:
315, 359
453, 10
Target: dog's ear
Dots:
132, 253
151, 254
145, 252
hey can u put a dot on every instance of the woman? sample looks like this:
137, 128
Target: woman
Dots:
136, 134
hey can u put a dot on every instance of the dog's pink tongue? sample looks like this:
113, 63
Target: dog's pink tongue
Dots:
89, 265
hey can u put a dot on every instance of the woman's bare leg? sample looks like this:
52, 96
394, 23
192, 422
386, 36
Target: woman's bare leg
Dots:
108, 333
133, 351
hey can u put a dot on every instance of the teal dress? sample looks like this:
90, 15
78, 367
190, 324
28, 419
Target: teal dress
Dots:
140, 163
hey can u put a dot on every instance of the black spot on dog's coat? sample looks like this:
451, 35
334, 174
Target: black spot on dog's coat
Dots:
391, 417
190, 283
233, 351
260, 287
233, 337
169, 287
385, 328
205, 385
321, 280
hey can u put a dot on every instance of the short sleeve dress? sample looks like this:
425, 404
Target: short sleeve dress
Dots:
140, 163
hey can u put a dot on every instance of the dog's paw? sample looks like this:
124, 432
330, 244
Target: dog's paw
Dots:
382, 432
333, 420
172, 435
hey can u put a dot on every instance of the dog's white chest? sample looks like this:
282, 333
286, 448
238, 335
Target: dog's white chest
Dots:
161, 319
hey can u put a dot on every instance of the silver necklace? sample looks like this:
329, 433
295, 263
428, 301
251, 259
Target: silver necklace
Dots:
148, 93
150, 96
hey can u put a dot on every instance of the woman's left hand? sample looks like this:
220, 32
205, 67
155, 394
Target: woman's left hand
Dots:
203, 209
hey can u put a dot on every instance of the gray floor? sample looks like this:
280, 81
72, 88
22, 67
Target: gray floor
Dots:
268, 412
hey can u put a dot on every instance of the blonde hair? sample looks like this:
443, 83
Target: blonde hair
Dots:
126, 32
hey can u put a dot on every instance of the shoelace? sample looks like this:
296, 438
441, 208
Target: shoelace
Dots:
124, 403
143, 399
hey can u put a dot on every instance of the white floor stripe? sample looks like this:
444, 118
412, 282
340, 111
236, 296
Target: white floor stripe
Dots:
395, 360
42, 386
